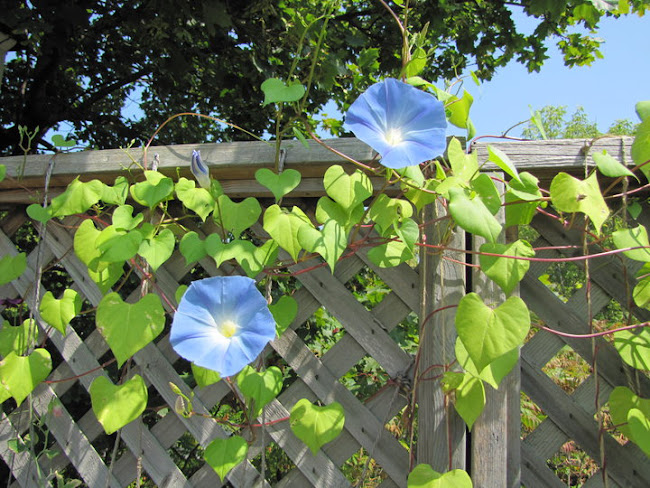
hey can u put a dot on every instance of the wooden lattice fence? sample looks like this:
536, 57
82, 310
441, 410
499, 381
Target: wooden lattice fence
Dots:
150, 446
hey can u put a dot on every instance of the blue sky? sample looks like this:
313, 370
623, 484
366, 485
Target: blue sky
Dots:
608, 89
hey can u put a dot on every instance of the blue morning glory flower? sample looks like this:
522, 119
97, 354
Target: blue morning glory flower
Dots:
406, 126
222, 323
200, 170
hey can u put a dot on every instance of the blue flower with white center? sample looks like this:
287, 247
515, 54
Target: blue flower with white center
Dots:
222, 323
200, 170
406, 126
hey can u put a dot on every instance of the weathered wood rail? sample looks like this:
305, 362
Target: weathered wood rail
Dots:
498, 456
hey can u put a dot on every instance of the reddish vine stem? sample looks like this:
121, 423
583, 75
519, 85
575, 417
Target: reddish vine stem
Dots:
76, 377
595, 334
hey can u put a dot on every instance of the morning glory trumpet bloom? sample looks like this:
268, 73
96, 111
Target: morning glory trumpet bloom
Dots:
200, 170
222, 323
405, 125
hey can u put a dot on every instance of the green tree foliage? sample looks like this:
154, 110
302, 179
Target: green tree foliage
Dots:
556, 125
82, 65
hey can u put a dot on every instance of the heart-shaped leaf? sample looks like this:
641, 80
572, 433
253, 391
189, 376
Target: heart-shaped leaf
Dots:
610, 166
347, 190
472, 215
621, 401
19, 375
117, 246
204, 377
494, 372
395, 252
117, 405
283, 227
107, 277
254, 259
17, 339
423, 476
386, 211
469, 395
641, 291
11, 267
634, 348
127, 327
505, 271
522, 200
498, 157
198, 200
116, 194
259, 387
236, 217
123, 218
158, 249
155, 189
220, 252
279, 184
59, 141
637, 237
490, 333
328, 209
85, 245
276, 91
425, 195
192, 247
464, 166
487, 191
570, 194
77, 198
284, 311
316, 426
640, 149
39, 213
59, 313
224, 454
639, 425
330, 242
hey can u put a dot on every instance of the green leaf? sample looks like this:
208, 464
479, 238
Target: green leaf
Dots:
117, 246
301, 137
458, 110
127, 327
610, 166
570, 194
236, 217
490, 333
38, 213
158, 249
416, 64
395, 252
3, 172
641, 293
464, 166
59, 313
77, 198
634, 348
283, 227
84, 244
192, 247
276, 91
59, 141
494, 372
487, 191
279, 184
328, 209
347, 190
155, 189
316, 426
117, 405
224, 454
259, 387
17, 339
637, 237
284, 311
469, 399
639, 425
198, 200
423, 476
123, 218
203, 376
180, 291
116, 194
498, 157
19, 375
472, 215
526, 194
504, 271
641, 147
386, 211
643, 109
422, 196
330, 242
634, 209
11, 267
621, 401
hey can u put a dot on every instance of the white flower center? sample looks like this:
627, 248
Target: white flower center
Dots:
228, 328
394, 137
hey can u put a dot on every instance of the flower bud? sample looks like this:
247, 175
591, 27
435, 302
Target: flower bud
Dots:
200, 170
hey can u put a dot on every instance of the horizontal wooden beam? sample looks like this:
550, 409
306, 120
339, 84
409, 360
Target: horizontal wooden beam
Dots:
234, 163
